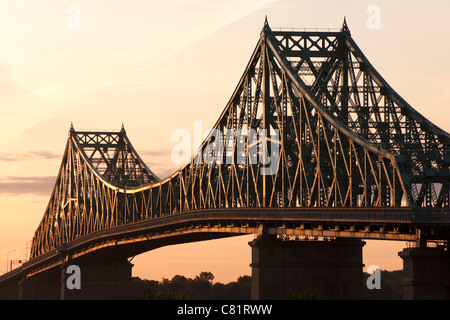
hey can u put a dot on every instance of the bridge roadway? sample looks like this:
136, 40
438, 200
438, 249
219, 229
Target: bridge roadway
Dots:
128, 240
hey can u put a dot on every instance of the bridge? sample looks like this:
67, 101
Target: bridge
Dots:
313, 153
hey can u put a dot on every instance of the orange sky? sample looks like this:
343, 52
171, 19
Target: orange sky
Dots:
158, 66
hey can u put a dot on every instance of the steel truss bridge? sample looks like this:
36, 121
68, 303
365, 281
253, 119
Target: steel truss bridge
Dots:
343, 156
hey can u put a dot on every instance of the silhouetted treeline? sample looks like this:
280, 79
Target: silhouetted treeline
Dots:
199, 288
203, 287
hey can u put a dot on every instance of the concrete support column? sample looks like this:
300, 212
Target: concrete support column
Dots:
44, 286
291, 269
426, 273
98, 281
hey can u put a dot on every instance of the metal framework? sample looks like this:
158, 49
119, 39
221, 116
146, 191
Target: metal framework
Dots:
311, 123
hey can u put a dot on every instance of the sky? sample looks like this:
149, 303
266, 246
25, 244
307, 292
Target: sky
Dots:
158, 66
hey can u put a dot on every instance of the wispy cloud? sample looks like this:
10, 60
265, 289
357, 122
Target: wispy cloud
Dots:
159, 161
29, 155
44, 65
199, 18
155, 153
27, 185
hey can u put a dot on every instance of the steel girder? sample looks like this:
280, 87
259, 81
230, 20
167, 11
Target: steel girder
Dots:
311, 123
350, 88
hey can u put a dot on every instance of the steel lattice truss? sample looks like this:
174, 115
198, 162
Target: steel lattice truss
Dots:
310, 124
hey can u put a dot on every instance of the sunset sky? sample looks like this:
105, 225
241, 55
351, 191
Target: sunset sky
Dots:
157, 66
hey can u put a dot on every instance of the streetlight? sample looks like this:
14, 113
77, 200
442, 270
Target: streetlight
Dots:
26, 249
15, 262
7, 258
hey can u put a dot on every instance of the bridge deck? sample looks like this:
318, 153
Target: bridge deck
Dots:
402, 224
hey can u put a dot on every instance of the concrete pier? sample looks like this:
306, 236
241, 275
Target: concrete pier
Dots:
97, 281
427, 273
294, 269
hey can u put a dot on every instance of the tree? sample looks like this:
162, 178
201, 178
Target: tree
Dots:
205, 276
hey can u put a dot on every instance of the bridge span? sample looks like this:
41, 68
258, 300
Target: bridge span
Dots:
313, 153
